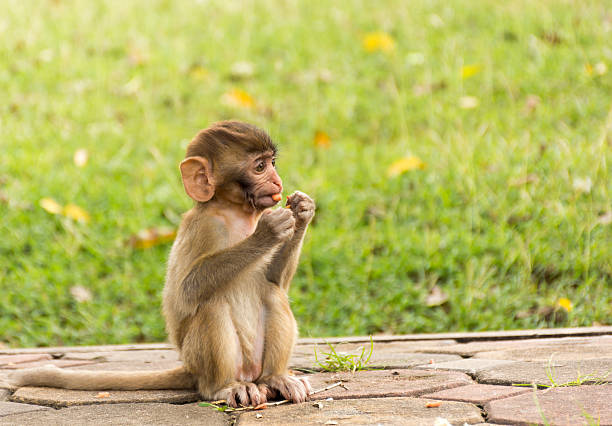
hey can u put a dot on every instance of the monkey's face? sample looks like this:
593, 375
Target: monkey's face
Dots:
260, 183
252, 182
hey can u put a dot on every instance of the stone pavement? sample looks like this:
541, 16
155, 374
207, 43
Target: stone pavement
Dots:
435, 379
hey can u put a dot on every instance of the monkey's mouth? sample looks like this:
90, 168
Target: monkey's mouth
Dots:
263, 201
268, 200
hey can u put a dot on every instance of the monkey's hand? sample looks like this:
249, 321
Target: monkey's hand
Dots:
276, 226
302, 207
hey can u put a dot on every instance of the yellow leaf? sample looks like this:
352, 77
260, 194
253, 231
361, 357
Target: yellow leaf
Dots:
524, 180
566, 304
132, 87
50, 205
583, 184
436, 297
46, 55
435, 21
242, 70
468, 102
151, 237
531, 103
468, 71
378, 41
600, 68
198, 72
80, 157
238, 98
75, 212
137, 56
404, 165
605, 218
80, 293
321, 139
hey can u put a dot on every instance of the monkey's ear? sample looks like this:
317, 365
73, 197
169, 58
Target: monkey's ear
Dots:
197, 178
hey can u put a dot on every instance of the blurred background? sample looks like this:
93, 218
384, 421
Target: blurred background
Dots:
459, 153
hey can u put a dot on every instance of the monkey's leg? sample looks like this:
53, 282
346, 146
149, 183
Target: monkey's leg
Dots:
281, 333
211, 352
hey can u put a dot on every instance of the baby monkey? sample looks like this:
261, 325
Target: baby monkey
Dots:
225, 299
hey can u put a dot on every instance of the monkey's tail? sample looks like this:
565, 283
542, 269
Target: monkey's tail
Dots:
52, 376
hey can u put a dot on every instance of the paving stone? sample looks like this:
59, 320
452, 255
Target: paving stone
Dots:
473, 348
424, 341
66, 349
8, 408
3, 380
537, 372
62, 363
396, 411
141, 355
67, 397
387, 355
560, 406
10, 360
385, 383
468, 365
130, 365
477, 393
569, 349
432, 339
471, 336
121, 414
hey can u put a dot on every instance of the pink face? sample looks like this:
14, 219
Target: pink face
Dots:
253, 180
265, 185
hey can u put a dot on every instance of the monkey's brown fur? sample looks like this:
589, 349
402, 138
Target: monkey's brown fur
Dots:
225, 299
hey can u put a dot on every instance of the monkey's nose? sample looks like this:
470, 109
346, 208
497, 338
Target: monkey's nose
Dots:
279, 183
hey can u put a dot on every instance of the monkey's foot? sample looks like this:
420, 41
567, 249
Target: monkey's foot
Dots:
244, 394
295, 389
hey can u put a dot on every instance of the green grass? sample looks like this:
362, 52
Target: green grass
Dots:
503, 253
581, 379
339, 361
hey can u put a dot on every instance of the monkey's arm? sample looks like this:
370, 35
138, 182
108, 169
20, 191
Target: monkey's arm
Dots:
285, 261
211, 272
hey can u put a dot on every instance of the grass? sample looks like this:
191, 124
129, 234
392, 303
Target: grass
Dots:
590, 420
338, 361
581, 379
508, 215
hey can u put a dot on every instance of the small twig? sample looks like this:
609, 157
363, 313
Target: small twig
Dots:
272, 404
240, 409
326, 389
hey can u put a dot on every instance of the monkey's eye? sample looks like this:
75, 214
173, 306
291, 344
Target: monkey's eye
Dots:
261, 166
274, 162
